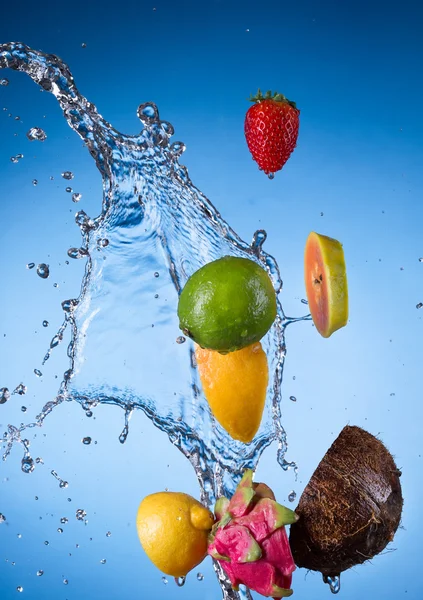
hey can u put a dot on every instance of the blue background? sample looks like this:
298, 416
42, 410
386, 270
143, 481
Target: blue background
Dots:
354, 70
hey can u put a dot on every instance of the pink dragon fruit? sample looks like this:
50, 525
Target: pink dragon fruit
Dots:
249, 539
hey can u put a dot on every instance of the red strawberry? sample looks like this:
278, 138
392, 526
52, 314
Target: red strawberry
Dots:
271, 130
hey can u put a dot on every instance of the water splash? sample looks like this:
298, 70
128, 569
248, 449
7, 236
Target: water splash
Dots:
152, 217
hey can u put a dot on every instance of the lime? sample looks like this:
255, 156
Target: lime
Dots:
228, 304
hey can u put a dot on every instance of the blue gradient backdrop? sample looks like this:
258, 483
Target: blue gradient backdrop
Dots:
354, 69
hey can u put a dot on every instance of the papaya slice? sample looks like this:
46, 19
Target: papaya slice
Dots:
325, 277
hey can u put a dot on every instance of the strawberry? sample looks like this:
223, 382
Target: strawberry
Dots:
271, 130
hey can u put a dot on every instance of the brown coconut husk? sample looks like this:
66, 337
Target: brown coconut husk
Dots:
351, 507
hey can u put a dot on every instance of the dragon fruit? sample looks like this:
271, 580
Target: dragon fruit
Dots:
249, 539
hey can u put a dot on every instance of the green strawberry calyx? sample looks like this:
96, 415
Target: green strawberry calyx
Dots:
276, 96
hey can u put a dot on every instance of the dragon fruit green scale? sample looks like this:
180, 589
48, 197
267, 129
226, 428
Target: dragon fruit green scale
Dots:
249, 539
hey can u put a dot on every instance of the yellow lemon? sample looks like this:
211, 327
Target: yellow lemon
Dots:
235, 386
173, 529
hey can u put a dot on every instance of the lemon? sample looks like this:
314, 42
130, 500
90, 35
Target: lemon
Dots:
235, 386
173, 529
228, 304
326, 285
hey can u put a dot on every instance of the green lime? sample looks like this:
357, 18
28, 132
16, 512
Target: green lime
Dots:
228, 304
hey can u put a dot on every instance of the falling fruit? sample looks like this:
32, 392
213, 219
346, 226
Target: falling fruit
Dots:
173, 529
326, 283
228, 304
271, 130
235, 386
351, 507
249, 539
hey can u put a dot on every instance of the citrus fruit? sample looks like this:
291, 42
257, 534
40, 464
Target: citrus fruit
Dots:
228, 304
235, 386
173, 529
326, 283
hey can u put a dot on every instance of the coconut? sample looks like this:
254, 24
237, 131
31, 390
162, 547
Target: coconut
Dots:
351, 507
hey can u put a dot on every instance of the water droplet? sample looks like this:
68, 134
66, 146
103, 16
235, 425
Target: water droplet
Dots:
59, 530
177, 148
80, 514
156, 274
2, 518
148, 113
4, 395
69, 305
419, 305
77, 252
39, 461
180, 581
38, 372
65, 581
36, 133
333, 582
293, 398
259, 238
89, 413
30, 265
76, 197
291, 496
20, 389
40, 573
69, 190
86, 441
19, 156
304, 301
13, 159
421, 259
165, 580
200, 576
63, 484
84, 221
23, 408
43, 270
103, 561
4, 81
108, 534
181, 339
102, 243
19, 536
45, 323
27, 464
35, 182
46, 543
83, 45
124, 435
64, 520
271, 175
156, 296
68, 175
19, 588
